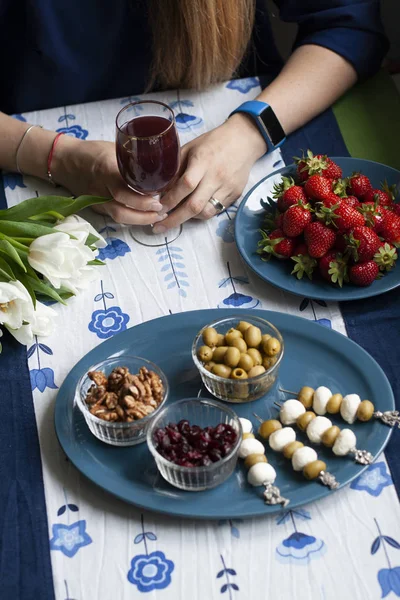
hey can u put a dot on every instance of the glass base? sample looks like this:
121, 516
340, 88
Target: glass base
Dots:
144, 235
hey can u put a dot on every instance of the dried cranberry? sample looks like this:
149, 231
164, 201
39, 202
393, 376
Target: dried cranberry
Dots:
226, 448
184, 462
184, 426
194, 455
206, 461
173, 435
182, 448
165, 442
214, 455
172, 426
159, 434
219, 429
202, 444
230, 437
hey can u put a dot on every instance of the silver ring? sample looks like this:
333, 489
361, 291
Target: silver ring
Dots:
216, 204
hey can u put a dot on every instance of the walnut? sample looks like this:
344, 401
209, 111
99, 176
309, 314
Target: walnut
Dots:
124, 397
117, 378
99, 378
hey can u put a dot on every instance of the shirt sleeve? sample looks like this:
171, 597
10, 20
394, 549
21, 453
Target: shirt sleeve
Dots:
351, 28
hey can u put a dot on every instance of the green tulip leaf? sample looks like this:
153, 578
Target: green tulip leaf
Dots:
6, 271
49, 205
9, 250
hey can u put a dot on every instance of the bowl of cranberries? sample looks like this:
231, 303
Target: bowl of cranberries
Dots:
195, 443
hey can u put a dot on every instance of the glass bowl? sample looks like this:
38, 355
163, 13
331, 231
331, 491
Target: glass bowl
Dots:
202, 412
239, 390
120, 433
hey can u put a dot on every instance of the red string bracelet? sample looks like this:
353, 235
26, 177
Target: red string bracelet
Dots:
50, 157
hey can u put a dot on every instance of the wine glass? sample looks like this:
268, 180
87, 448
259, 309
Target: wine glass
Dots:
148, 155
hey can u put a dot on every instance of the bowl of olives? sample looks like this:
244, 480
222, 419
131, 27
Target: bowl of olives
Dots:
238, 358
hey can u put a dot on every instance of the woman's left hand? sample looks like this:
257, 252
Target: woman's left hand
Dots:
214, 165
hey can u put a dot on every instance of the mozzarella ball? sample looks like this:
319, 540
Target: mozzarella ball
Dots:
279, 439
261, 474
317, 428
322, 396
349, 407
250, 446
290, 411
302, 457
345, 441
247, 426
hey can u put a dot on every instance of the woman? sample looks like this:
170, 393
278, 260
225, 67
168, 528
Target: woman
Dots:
55, 54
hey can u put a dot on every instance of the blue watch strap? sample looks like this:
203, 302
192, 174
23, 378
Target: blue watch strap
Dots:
266, 121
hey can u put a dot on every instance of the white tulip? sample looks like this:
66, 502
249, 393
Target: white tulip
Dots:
80, 229
42, 324
16, 305
63, 261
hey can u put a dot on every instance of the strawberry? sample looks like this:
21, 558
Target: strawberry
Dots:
340, 187
318, 187
385, 257
390, 229
352, 201
304, 264
295, 220
333, 267
340, 243
364, 273
319, 239
342, 216
363, 243
275, 244
359, 185
301, 250
396, 209
332, 200
288, 193
374, 214
319, 164
379, 196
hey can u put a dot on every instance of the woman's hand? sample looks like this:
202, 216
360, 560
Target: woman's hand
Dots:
86, 167
216, 164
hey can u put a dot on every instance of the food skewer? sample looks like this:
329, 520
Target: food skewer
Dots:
260, 471
320, 429
304, 458
350, 407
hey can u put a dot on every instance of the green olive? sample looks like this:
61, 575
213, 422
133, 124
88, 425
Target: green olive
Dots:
222, 371
252, 336
232, 356
240, 344
238, 373
268, 427
245, 362
208, 366
255, 355
313, 469
306, 396
272, 347
242, 326
333, 405
205, 353
220, 340
365, 410
246, 436
304, 419
291, 448
219, 353
253, 459
231, 335
210, 337
264, 338
269, 361
257, 370
329, 436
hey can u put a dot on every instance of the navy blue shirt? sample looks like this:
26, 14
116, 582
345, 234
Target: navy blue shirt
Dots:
54, 52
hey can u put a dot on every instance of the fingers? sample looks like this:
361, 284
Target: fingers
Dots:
128, 216
193, 206
136, 201
226, 198
186, 185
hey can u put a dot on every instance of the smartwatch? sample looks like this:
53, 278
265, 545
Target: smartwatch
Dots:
266, 121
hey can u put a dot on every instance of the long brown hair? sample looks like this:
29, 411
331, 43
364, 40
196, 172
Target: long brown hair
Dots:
198, 42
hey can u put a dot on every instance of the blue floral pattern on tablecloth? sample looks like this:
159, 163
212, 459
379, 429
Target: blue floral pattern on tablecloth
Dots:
307, 302
149, 571
243, 85
72, 130
373, 480
227, 573
389, 579
173, 268
299, 548
237, 299
13, 180
107, 322
69, 538
115, 247
185, 121
42, 377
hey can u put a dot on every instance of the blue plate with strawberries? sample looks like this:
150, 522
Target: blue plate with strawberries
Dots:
250, 219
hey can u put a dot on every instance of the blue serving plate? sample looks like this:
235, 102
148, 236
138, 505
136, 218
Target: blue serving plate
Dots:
249, 219
314, 355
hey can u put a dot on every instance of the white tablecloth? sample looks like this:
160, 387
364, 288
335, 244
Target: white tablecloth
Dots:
324, 551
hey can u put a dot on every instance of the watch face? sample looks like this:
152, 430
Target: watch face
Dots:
272, 126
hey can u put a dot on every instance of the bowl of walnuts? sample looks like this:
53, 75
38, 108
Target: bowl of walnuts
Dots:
119, 397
